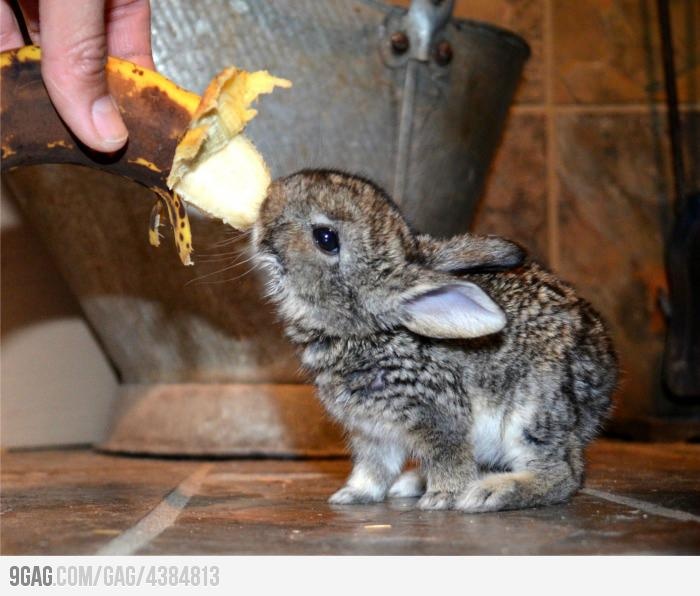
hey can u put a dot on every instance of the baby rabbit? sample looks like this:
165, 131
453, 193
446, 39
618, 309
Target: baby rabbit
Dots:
493, 380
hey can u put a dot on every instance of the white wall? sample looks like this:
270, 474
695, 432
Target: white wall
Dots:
56, 386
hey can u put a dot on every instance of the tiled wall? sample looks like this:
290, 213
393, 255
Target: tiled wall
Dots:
582, 177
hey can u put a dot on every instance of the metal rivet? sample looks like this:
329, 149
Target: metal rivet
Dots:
443, 53
400, 42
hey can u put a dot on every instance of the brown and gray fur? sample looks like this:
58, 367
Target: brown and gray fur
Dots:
495, 398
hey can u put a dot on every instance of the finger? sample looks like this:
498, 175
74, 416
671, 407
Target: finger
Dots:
128, 25
74, 53
30, 12
10, 34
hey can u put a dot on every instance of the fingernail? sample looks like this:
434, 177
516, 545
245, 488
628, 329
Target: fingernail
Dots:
108, 122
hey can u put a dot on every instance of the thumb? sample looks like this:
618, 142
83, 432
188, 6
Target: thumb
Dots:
74, 55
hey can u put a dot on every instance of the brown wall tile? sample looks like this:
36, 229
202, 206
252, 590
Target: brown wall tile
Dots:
608, 51
515, 202
614, 200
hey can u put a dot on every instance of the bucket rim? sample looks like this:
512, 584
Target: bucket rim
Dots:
496, 30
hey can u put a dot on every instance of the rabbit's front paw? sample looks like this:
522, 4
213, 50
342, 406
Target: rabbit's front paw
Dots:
352, 496
409, 484
435, 500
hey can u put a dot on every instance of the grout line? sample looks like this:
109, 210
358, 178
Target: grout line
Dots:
551, 138
632, 108
529, 109
642, 505
159, 519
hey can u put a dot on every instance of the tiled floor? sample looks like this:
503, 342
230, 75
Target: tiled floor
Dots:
639, 499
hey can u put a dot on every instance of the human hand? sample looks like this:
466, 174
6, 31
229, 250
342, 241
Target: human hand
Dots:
76, 36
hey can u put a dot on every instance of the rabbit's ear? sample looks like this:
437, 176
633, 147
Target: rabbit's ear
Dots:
469, 253
455, 310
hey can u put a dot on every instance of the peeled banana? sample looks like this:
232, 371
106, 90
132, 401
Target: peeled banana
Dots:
176, 139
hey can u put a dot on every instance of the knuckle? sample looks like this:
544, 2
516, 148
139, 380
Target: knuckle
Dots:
126, 8
87, 58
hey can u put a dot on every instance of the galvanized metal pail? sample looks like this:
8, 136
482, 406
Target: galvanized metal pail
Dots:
414, 100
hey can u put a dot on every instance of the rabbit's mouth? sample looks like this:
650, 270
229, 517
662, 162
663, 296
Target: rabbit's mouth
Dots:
271, 264
267, 259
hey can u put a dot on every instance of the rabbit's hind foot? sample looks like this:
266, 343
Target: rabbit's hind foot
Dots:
517, 490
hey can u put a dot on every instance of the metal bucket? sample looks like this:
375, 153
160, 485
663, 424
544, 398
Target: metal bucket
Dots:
204, 367
413, 100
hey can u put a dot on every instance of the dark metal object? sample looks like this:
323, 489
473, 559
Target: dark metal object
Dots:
682, 354
673, 115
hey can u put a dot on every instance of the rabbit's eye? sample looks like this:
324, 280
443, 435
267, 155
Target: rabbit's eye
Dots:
326, 239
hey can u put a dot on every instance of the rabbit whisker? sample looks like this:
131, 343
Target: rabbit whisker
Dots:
221, 281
